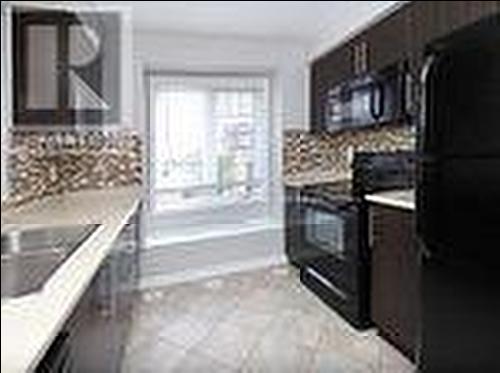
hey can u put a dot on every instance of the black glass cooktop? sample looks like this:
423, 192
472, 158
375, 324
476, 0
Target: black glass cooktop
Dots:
31, 255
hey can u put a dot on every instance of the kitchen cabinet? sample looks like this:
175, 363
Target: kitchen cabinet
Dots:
95, 335
431, 20
400, 36
395, 276
388, 39
317, 95
360, 53
326, 73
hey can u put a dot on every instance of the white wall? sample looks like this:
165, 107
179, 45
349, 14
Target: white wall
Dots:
5, 93
181, 52
286, 62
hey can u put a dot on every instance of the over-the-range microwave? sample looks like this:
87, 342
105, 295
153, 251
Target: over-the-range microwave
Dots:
374, 98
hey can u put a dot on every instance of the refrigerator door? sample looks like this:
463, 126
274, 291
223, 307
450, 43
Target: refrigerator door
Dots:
458, 203
461, 95
459, 142
460, 322
459, 209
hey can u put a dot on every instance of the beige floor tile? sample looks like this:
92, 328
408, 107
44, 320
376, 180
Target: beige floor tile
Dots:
187, 331
331, 362
260, 321
231, 340
392, 361
272, 357
295, 328
155, 356
361, 348
194, 362
147, 323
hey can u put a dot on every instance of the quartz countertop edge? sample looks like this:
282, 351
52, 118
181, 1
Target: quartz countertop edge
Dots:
30, 323
404, 198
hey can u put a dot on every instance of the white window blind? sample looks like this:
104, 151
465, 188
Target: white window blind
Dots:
210, 140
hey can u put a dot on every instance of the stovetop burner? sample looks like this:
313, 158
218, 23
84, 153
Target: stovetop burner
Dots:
31, 255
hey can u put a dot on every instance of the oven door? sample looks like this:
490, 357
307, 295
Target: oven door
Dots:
330, 239
324, 230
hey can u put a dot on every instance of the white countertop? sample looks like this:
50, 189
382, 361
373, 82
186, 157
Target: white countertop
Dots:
404, 199
30, 323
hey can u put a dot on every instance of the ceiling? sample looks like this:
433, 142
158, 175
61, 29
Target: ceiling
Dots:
300, 21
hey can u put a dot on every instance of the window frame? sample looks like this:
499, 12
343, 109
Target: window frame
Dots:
253, 210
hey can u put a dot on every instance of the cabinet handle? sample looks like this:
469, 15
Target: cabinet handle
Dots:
355, 58
358, 59
364, 56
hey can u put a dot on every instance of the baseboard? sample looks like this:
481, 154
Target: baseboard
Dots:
155, 281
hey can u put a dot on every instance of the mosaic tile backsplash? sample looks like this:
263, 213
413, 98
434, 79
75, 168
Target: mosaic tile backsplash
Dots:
307, 153
54, 162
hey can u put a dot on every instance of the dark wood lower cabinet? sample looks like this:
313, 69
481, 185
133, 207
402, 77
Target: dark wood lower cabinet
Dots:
95, 336
395, 277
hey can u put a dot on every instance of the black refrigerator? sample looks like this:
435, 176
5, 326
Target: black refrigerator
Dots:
458, 202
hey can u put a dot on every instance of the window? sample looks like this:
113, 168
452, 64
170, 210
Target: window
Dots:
210, 140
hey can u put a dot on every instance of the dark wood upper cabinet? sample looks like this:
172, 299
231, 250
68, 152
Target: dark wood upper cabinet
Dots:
326, 72
359, 59
431, 20
388, 40
400, 36
317, 93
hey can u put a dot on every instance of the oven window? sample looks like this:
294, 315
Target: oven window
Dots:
325, 230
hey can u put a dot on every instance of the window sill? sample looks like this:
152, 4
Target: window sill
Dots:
207, 232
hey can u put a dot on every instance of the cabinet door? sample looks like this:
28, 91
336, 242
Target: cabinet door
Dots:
99, 352
395, 277
359, 55
431, 20
386, 268
388, 40
317, 94
326, 73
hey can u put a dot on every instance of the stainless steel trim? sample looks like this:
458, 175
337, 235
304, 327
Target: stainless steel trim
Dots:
326, 282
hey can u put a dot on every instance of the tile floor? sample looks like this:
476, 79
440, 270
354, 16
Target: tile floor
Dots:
260, 321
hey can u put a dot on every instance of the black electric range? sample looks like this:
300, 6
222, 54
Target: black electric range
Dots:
31, 255
332, 232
